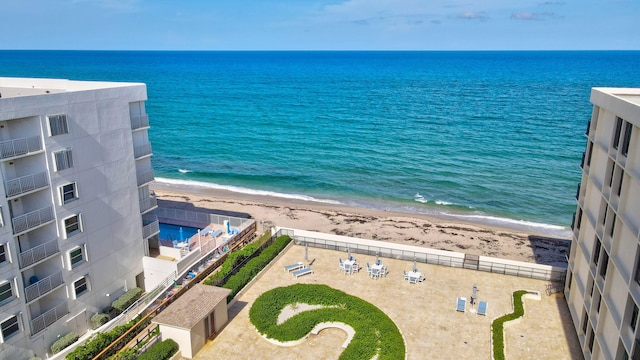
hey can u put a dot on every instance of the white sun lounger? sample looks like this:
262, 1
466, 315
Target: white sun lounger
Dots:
462, 304
482, 308
294, 266
302, 272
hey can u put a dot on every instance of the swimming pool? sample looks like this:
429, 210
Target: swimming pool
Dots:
172, 232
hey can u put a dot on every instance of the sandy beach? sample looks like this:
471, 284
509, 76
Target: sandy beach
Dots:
407, 228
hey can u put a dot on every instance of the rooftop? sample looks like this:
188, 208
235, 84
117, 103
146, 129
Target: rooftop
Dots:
16, 87
425, 312
192, 307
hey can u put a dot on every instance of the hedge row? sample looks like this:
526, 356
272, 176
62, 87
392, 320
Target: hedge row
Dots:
98, 320
128, 298
254, 266
232, 260
100, 341
160, 351
64, 342
497, 327
375, 332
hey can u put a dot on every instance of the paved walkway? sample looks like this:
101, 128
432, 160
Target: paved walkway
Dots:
425, 313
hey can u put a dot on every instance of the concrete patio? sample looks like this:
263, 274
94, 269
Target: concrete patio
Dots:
424, 312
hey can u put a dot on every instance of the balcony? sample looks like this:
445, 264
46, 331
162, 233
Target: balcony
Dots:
142, 150
20, 147
38, 253
150, 226
148, 204
32, 220
39, 323
139, 122
43, 287
25, 184
145, 177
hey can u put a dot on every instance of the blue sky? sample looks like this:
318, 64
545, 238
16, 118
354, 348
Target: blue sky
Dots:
320, 24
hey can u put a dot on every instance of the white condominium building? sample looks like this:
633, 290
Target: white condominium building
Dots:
603, 279
75, 166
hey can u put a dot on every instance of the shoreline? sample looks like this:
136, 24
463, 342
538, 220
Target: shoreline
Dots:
438, 232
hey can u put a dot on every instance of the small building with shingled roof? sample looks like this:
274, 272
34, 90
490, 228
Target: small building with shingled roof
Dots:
194, 317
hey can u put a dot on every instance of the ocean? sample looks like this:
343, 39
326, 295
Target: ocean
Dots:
488, 136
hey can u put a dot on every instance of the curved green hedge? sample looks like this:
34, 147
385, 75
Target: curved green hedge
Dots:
497, 327
375, 332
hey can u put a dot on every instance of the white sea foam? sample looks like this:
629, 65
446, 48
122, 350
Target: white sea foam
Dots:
184, 171
243, 190
522, 224
441, 202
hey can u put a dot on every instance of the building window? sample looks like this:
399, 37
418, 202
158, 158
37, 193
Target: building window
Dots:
613, 225
80, 286
64, 159
68, 193
596, 252
627, 138
590, 340
613, 170
637, 274
616, 134
634, 317
58, 124
9, 327
5, 292
604, 265
72, 225
585, 321
3, 253
589, 153
619, 190
579, 219
76, 257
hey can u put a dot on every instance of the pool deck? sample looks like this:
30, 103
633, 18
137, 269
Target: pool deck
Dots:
425, 313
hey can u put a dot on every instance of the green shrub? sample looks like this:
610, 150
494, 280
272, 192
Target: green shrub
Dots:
100, 341
126, 354
375, 332
497, 327
64, 342
254, 266
128, 298
160, 351
98, 320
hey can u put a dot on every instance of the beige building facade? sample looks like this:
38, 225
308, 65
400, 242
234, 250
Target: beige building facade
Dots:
603, 280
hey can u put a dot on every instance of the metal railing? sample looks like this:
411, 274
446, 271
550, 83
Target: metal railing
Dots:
25, 184
17, 147
138, 122
32, 219
42, 287
515, 268
145, 177
142, 150
150, 229
39, 252
39, 323
179, 215
148, 204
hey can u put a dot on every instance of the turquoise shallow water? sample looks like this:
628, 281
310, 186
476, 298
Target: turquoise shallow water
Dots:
488, 136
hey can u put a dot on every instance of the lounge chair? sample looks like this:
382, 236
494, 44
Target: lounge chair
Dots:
368, 269
302, 272
462, 304
294, 266
341, 265
413, 280
482, 308
406, 276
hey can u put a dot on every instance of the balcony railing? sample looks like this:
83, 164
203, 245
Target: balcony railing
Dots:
18, 147
42, 287
138, 122
38, 253
150, 229
145, 177
148, 204
32, 219
142, 150
25, 184
39, 323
